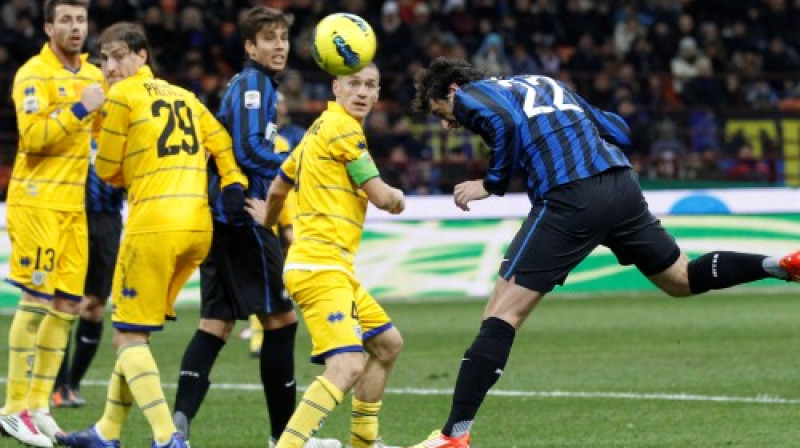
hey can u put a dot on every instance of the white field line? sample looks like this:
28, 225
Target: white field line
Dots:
758, 399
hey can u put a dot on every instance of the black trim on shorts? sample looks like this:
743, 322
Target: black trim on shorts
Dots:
570, 221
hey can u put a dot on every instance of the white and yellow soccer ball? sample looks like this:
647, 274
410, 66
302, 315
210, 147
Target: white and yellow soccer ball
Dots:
343, 44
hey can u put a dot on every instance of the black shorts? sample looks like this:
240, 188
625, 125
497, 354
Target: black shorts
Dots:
573, 219
104, 234
242, 274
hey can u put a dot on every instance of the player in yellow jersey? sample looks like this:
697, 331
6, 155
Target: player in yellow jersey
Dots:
334, 177
153, 142
56, 94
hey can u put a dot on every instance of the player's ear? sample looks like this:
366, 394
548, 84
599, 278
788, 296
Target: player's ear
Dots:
48, 29
453, 87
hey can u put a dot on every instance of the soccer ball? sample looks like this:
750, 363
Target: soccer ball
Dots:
343, 44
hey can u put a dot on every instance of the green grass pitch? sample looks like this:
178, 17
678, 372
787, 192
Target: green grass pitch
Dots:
643, 371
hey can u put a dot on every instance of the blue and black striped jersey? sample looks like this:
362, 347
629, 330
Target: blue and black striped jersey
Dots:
248, 111
538, 126
100, 196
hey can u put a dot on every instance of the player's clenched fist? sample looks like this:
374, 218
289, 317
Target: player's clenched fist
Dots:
399, 202
92, 97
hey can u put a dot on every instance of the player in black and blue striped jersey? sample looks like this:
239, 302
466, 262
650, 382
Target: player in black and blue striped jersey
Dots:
242, 274
583, 193
104, 218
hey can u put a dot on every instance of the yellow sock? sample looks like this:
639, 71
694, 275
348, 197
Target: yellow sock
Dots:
364, 423
51, 343
257, 337
118, 405
141, 373
21, 340
318, 401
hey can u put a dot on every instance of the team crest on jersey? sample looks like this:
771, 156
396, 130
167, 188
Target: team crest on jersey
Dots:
30, 104
252, 99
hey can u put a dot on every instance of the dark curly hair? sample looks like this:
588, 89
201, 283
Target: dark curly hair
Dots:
434, 82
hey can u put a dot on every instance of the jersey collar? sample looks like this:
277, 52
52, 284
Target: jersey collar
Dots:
50, 58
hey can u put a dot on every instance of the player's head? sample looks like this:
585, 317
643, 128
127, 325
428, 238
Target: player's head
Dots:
436, 87
66, 24
358, 92
123, 50
266, 36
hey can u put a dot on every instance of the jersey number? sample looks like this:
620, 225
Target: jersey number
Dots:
529, 106
175, 112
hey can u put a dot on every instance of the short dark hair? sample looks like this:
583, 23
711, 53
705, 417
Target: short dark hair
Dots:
50, 7
131, 33
255, 19
434, 82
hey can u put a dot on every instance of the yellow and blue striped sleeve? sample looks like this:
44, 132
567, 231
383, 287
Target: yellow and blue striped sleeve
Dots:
113, 140
218, 143
37, 128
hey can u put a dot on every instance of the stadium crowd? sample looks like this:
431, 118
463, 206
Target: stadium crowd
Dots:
672, 69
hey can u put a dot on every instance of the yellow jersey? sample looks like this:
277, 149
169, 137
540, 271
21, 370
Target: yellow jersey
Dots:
54, 133
330, 206
153, 142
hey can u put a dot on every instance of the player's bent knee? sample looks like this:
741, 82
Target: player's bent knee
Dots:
279, 320
344, 369
219, 328
386, 347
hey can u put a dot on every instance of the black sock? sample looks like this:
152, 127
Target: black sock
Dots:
481, 367
277, 376
62, 377
87, 340
196, 365
719, 270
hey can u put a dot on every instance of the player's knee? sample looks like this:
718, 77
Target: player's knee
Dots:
219, 328
386, 347
66, 305
344, 369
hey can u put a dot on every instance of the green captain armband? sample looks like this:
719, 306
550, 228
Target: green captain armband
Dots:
362, 169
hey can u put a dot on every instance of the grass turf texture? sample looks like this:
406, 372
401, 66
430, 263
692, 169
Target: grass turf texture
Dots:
722, 350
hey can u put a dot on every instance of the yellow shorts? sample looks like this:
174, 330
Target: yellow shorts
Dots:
339, 313
151, 269
49, 251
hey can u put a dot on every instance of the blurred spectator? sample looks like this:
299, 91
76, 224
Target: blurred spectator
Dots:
704, 87
394, 37
747, 168
293, 91
760, 95
491, 57
521, 62
684, 65
779, 61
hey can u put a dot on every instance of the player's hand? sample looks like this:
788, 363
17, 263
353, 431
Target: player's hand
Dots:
400, 203
233, 202
257, 208
92, 97
471, 190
